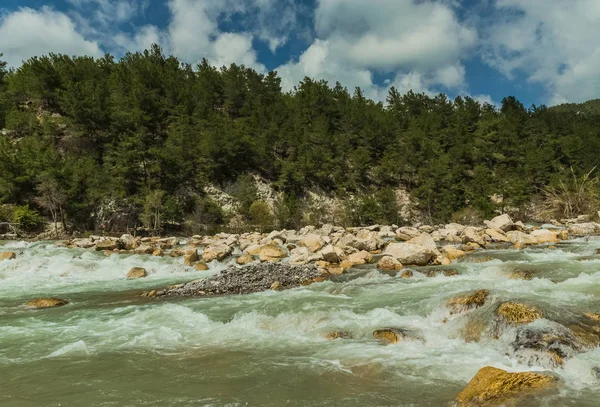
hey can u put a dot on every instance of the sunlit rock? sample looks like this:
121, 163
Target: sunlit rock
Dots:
46, 302
333, 335
218, 253
495, 387
8, 255
469, 301
502, 222
272, 253
136, 272
517, 313
388, 263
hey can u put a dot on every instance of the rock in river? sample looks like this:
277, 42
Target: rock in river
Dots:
8, 255
136, 272
496, 387
47, 302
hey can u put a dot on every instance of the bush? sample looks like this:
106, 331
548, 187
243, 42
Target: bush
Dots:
28, 219
468, 216
260, 214
576, 196
206, 218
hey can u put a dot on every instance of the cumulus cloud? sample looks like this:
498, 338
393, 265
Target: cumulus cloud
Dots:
554, 43
27, 32
421, 43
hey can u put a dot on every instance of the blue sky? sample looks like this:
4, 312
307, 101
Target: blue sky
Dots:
541, 51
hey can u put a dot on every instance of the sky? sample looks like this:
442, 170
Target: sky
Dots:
541, 51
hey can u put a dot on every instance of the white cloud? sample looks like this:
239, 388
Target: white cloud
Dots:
555, 43
421, 43
26, 33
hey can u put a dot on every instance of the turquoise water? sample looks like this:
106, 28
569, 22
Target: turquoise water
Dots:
110, 347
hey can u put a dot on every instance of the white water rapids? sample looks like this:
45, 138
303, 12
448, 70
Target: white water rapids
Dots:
110, 347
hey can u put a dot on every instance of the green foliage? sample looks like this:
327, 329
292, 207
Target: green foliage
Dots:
576, 195
27, 219
260, 214
102, 130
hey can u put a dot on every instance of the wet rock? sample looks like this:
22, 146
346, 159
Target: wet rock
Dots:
520, 239
592, 316
275, 286
494, 387
158, 253
394, 335
333, 335
136, 272
469, 301
477, 259
200, 266
452, 252
407, 274
218, 253
517, 313
167, 242
497, 236
545, 346
244, 259
248, 279
272, 253
434, 272
190, 257
144, 248
8, 256
46, 302
388, 263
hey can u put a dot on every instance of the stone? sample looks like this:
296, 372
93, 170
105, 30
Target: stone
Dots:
452, 252
473, 235
253, 249
108, 244
407, 274
362, 257
394, 335
244, 259
544, 236
407, 233
502, 222
46, 302
272, 253
388, 263
128, 242
494, 387
520, 239
312, 242
517, 313
190, 257
167, 242
330, 254
593, 316
275, 286
144, 248
545, 346
200, 266
336, 270
136, 272
497, 236
218, 253
158, 253
466, 302
580, 229
333, 335
8, 255
409, 254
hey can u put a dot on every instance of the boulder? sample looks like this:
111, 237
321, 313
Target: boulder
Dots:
494, 387
466, 302
167, 242
84, 243
312, 242
452, 252
332, 254
517, 313
46, 302
502, 222
333, 335
497, 236
365, 240
253, 249
407, 274
200, 266
409, 254
579, 229
362, 257
144, 248
107, 244
299, 255
8, 255
218, 253
544, 236
136, 272
158, 253
545, 346
520, 239
190, 257
128, 242
388, 263
473, 235
406, 233
394, 335
272, 253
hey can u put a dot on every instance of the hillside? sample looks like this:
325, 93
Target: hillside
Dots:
100, 144
591, 107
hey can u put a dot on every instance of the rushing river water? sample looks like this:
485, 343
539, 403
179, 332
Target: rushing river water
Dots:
110, 347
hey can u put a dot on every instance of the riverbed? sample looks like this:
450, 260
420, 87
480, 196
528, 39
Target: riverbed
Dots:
111, 347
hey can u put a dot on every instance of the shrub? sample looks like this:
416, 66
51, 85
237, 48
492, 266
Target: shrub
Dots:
260, 214
576, 196
28, 219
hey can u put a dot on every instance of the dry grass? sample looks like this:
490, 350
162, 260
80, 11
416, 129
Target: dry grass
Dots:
577, 197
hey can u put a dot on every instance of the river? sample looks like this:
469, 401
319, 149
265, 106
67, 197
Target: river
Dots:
111, 347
